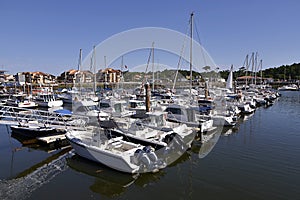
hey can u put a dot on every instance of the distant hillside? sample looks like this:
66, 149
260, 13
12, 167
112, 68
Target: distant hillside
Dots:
284, 72
163, 75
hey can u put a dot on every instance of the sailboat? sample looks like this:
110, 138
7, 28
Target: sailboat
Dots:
185, 112
229, 82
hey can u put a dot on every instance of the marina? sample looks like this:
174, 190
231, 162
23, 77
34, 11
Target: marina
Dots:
144, 111
258, 146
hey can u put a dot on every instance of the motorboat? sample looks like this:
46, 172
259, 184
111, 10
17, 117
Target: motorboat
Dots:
89, 108
65, 96
115, 153
32, 129
191, 116
20, 101
47, 100
153, 129
291, 87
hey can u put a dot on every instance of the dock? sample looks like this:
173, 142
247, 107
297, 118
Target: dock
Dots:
52, 138
13, 116
16, 116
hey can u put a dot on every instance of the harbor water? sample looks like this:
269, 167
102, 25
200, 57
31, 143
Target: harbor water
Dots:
257, 159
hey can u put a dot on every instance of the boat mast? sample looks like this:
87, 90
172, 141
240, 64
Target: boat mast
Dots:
121, 77
246, 63
79, 68
252, 68
255, 70
261, 74
153, 67
79, 59
191, 54
94, 64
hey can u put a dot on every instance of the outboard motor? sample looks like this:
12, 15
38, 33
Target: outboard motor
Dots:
142, 158
149, 151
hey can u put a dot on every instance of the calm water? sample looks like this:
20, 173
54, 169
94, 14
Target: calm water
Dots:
259, 159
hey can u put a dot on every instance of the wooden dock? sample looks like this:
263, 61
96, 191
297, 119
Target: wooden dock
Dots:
52, 138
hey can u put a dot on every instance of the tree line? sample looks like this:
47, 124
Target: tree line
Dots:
282, 73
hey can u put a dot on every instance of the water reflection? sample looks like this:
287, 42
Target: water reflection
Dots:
26, 182
34, 144
229, 130
203, 149
108, 182
111, 183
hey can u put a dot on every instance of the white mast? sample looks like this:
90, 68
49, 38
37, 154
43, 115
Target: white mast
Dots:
121, 76
191, 55
79, 68
252, 69
256, 55
261, 74
94, 64
247, 66
153, 67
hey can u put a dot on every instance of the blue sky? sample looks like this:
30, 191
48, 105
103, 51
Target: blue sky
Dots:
46, 35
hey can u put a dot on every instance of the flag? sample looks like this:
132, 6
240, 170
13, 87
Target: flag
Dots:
125, 69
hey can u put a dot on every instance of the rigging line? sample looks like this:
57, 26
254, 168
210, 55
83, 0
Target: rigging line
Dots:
150, 54
145, 74
246, 64
198, 36
181, 53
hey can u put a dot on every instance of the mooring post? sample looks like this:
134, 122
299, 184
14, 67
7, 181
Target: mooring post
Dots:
148, 93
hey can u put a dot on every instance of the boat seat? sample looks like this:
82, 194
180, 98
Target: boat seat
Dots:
117, 144
113, 140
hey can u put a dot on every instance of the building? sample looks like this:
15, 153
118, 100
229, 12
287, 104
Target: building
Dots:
67, 76
83, 77
35, 78
2, 76
109, 75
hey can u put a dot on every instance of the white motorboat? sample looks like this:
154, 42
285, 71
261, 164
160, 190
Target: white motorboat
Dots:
137, 105
20, 101
65, 96
90, 109
192, 117
292, 87
47, 100
114, 152
245, 108
153, 129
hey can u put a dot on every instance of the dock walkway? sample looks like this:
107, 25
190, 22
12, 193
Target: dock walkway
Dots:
13, 116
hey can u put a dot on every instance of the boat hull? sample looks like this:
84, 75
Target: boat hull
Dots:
50, 104
102, 156
32, 132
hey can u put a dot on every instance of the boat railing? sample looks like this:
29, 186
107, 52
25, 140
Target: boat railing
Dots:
14, 115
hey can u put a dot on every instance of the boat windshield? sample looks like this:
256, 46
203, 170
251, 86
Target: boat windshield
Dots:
92, 107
